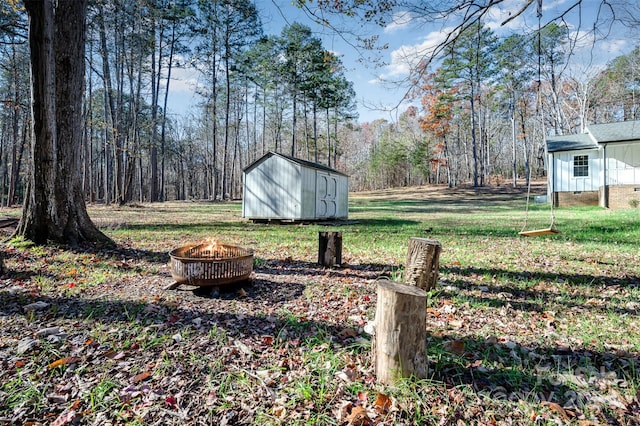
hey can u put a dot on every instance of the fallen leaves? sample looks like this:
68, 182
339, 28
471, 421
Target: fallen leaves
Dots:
564, 414
383, 403
358, 417
171, 401
141, 377
63, 361
65, 418
267, 340
36, 306
114, 355
454, 346
292, 347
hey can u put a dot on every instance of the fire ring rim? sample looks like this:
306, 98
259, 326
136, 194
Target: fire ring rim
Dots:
241, 270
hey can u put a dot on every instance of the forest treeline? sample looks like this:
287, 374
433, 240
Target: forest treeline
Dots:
481, 112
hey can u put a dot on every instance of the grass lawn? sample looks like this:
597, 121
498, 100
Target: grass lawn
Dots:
520, 330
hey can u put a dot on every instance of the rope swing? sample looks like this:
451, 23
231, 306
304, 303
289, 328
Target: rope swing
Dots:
537, 232
551, 229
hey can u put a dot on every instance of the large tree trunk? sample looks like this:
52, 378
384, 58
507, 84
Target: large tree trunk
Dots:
54, 207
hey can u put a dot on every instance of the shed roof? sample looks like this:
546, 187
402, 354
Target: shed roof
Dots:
624, 131
570, 143
294, 160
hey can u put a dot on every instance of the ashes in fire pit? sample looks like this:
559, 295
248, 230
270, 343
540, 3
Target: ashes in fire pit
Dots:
210, 264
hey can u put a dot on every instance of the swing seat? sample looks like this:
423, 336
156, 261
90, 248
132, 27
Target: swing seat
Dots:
537, 232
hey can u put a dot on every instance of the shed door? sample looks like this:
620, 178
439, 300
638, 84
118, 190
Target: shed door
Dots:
326, 188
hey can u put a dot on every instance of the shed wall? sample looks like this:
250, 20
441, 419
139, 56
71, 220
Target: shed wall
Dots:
272, 190
342, 198
332, 195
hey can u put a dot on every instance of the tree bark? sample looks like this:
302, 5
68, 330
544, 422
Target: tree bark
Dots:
154, 186
330, 249
423, 261
163, 128
55, 207
401, 332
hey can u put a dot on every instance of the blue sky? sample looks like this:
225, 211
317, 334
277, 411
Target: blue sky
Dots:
380, 90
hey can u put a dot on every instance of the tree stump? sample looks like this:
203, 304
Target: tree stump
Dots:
400, 338
423, 261
330, 248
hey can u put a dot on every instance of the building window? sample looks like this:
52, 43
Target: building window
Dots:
580, 165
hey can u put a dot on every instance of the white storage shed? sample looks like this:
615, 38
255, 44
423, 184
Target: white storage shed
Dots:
280, 187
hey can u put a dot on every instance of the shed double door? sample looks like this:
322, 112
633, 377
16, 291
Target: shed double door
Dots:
326, 188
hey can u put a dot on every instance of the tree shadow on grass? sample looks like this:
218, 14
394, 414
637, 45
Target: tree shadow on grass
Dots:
365, 271
496, 370
538, 299
574, 378
203, 340
220, 228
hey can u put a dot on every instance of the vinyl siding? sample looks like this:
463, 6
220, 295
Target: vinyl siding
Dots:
272, 190
565, 181
623, 164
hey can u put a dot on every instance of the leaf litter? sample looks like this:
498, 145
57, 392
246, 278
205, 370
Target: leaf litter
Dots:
290, 347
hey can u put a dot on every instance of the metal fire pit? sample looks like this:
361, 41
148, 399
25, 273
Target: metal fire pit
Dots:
211, 264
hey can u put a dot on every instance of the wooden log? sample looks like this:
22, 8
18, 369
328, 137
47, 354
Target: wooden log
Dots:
330, 248
423, 262
400, 337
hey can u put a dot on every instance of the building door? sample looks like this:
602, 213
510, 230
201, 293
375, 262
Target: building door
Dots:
326, 188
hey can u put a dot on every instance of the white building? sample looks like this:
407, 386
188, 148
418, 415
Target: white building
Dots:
598, 167
279, 187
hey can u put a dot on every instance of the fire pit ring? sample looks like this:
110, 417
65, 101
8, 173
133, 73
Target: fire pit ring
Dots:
210, 264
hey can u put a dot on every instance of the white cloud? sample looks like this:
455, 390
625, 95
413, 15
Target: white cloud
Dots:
615, 47
184, 79
553, 5
584, 41
586, 54
182, 96
405, 58
400, 20
502, 12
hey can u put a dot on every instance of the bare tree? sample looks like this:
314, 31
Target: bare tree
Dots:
455, 16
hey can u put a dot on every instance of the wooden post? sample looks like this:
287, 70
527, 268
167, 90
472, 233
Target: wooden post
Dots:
330, 248
423, 261
400, 338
